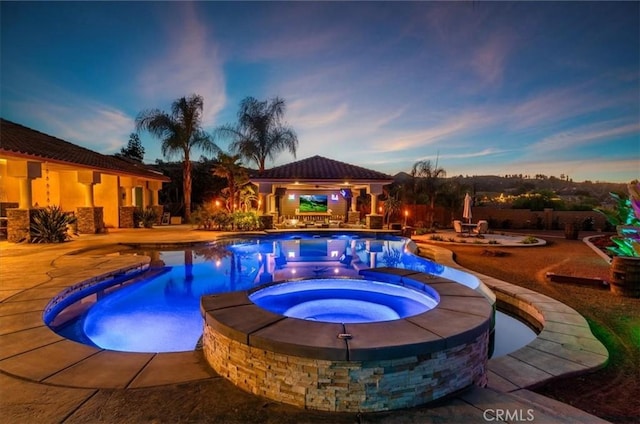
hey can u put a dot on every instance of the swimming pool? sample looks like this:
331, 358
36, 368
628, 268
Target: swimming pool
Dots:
160, 312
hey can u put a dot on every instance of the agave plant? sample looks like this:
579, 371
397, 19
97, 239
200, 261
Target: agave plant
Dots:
50, 225
626, 217
145, 217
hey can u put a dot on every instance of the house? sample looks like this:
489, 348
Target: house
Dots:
39, 170
317, 191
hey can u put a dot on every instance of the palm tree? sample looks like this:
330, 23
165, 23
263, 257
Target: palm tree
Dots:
180, 132
391, 206
425, 177
246, 197
260, 133
229, 168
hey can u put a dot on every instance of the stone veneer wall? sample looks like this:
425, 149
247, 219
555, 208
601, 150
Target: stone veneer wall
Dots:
374, 222
126, 216
348, 386
90, 220
18, 225
353, 217
159, 210
266, 221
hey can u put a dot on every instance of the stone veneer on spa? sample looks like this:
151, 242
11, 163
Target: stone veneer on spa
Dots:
382, 366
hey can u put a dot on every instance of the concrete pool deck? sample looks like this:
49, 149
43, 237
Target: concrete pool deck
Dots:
46, 378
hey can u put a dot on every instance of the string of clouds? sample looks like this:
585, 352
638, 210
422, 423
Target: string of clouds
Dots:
482, 87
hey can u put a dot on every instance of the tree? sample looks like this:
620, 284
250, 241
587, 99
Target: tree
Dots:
134, 149
236, 176
180, 132
451, 195
260, 133
246, 197
425, 177
391, 207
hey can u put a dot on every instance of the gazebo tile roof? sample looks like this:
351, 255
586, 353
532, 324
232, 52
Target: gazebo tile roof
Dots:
20, 140
321, 168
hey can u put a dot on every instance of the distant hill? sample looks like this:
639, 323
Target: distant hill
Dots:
517, 184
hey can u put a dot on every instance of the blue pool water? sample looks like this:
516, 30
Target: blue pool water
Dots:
161, 313
343, 300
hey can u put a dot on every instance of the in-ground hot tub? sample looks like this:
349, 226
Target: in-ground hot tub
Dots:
344, 300
436, 347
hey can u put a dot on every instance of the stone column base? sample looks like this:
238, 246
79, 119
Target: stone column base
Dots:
18, 225
159, 211
90, 220
353, 217
374, 222
126, 217
266, 222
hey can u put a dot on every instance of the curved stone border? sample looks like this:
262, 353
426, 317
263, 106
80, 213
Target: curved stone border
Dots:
30, 350
564, 346
378, 366
604, 256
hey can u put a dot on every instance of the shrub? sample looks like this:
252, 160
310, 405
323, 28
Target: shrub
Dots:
50, 225
421, 231
222, 220
246, 221
587, 224
147, 217
202, 217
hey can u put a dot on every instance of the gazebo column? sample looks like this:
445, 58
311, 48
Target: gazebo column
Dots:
19, 220
127, 209
374, 220
264, 190
353, 215
90, 218
271, 199
154, 199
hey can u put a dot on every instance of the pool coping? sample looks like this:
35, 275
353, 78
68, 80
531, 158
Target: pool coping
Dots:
564, 346
31, 351
461, 315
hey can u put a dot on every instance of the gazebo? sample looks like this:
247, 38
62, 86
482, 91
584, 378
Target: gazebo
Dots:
319, 191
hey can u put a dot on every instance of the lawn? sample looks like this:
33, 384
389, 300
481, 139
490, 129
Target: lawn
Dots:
611, 393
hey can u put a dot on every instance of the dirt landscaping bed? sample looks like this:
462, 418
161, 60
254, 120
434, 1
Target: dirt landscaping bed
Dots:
611, 393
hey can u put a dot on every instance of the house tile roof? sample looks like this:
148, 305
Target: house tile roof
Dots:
320, 168
18, 140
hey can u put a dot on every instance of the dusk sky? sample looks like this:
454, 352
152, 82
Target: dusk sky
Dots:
485, 88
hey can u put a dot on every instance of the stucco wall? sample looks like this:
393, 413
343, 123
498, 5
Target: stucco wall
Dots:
106, 195
73, 191
9, 191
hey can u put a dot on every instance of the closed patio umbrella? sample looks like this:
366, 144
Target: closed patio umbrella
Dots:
466, 212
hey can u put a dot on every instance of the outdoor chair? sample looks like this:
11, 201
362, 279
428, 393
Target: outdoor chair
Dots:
346, 259
482, 227
280, 261
457, 226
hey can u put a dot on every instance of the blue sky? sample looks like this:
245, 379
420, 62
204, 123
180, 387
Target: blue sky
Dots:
485, 87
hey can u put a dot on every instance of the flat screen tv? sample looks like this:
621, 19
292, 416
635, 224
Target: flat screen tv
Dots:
310, 203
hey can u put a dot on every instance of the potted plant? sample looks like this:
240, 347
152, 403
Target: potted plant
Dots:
571, 230
625, 266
